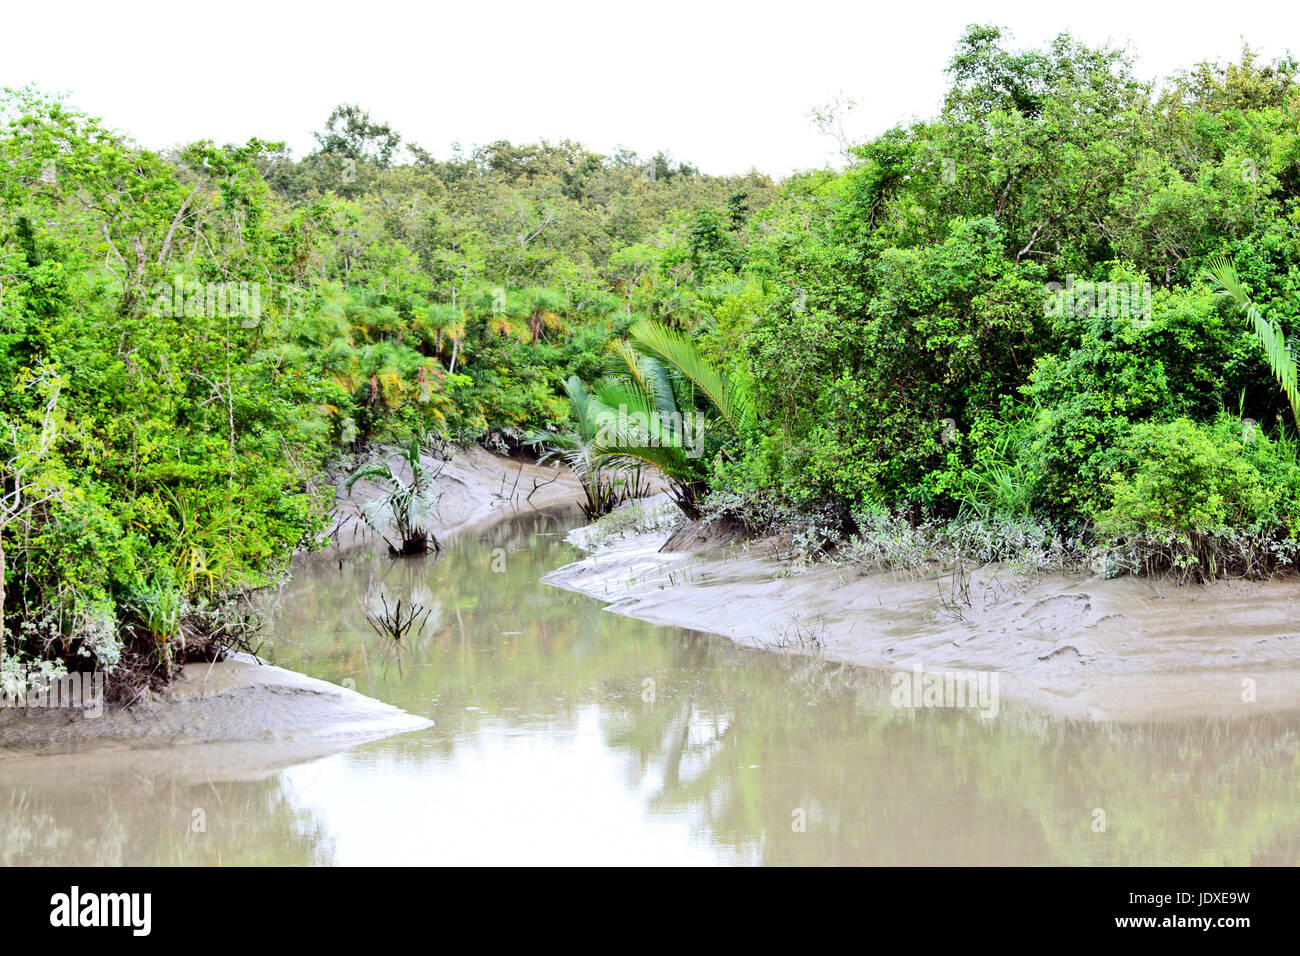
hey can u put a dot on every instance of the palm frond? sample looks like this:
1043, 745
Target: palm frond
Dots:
580, 400
666, 458
377, 473
1267, 332
647, 373
624, 415
730, 395
616, 396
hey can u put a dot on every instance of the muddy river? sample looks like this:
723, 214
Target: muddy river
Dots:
565, 734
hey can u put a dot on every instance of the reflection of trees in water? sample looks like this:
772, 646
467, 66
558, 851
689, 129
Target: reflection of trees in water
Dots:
889, 787
740, 738
501, 637
138, 819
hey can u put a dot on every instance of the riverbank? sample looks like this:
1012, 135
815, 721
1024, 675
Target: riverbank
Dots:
238, 699
242, 700
476, 488
1084, 647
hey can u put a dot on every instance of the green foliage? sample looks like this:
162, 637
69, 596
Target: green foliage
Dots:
665, 408
915, 354
862, 379
728, 395
990, 472
1281, 360
408, 503
1186, 479
1205, 499
883, 339
382, 299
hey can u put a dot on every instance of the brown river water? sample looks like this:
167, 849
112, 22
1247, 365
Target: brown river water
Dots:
564, 734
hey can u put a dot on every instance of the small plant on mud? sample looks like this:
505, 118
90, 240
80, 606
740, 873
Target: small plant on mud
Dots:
407, 505
400, 622
887, 541
605, 488
157, 608
808, 636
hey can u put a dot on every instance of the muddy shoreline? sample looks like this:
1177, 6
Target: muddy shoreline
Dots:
234, 700
260, 713
1076, 646
477, 488
1083, 647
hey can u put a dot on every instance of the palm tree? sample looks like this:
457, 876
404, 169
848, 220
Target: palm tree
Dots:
408, 505
647, 414
1270, 335
439, 323
543, 305
729, 394
603, 487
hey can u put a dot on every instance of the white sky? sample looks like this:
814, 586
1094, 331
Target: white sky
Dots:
726, 86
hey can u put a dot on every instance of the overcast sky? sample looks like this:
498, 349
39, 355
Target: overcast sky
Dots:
727, 86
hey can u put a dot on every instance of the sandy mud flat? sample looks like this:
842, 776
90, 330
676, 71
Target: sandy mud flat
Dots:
1085, 647
236, 700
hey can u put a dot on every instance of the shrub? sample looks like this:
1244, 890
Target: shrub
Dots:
1205, 499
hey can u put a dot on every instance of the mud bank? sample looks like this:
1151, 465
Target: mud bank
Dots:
236, 700
1083, 647
240, 701
476, 488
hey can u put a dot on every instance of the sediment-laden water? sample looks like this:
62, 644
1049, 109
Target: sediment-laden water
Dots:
565, 734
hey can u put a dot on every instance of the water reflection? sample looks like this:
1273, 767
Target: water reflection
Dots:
539, 697
566, 734
151, 809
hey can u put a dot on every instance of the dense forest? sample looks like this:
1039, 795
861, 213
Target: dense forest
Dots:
1053, 321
